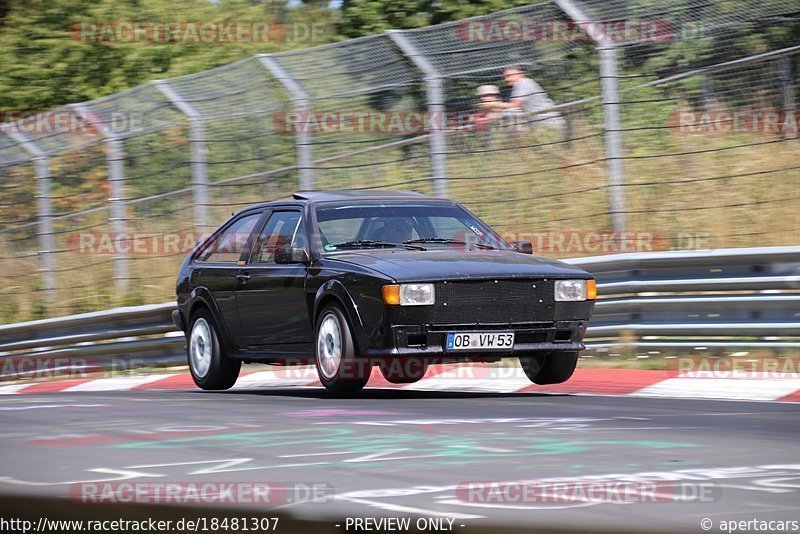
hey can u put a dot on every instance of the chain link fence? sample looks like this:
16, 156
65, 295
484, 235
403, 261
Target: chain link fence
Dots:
658, 127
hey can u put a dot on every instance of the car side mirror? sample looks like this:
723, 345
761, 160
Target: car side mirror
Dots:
289, 255
523, 247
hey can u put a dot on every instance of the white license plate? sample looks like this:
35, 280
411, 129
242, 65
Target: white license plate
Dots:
480, 341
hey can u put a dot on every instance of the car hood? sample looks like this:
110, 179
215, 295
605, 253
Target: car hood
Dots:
431, 265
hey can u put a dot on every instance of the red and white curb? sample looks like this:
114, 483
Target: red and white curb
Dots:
473, 379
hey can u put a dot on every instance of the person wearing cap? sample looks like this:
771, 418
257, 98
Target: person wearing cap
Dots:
483, 118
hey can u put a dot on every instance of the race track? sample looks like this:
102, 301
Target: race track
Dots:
389, 452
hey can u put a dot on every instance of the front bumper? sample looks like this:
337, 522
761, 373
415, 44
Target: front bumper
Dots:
429, 340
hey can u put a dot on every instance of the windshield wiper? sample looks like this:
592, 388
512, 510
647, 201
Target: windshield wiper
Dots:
448, 241
372, 243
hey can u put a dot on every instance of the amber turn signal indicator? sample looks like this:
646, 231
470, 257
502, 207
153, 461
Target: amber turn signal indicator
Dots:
591, 290
391, 295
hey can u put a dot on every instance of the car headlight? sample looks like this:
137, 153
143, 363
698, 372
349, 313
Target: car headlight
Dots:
575, 290
409, 294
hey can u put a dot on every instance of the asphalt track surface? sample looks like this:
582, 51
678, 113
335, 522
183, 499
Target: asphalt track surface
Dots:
400, 453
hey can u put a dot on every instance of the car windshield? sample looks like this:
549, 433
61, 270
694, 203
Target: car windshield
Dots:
408, 225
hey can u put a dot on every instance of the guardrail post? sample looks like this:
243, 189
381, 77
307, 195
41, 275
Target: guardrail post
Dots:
118, 217
302, 107
612, 122
44, 211
434, 88
199, 154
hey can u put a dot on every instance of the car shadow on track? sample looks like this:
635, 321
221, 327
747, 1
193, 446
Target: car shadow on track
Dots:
379, 393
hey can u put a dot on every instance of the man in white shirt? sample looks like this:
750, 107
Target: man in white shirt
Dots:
527, 96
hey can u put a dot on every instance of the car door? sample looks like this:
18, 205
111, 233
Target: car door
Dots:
270, 297
216, 266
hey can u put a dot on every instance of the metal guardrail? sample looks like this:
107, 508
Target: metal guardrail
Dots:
727, 297
134, 332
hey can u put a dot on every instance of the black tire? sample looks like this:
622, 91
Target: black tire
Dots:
532, 364
334, 336
553, 368
222, 371
403, 370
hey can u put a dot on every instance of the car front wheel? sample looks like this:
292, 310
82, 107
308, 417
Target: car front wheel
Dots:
337, 366
210, 367
553, 368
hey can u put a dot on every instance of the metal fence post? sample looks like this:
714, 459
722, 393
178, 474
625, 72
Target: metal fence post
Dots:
612, 125
199, 154
118, 217
44, 211
612, 121
302, 107
708, 93
434, 88
787, 88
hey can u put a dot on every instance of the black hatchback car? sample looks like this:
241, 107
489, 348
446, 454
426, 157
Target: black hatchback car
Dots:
353, 279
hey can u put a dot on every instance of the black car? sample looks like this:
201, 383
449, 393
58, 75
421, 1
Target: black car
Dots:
353, 279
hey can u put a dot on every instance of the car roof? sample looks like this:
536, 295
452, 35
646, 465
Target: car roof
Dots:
333, 195
355, 194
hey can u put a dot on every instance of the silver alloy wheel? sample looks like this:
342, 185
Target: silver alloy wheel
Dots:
329, 346
200, 348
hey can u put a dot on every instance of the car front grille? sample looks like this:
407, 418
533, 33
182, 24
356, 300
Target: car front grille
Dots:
493, 301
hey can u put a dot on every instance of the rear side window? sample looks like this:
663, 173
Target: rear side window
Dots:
282, 230
229, 244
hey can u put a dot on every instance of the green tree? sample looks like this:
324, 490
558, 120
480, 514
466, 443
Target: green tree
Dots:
366, 17
47, 63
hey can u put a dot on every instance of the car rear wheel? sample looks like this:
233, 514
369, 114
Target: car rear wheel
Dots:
553, 368
210, 367
337, 366
403, 370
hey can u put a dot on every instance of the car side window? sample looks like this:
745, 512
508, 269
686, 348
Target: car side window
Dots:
283, 229
228, 246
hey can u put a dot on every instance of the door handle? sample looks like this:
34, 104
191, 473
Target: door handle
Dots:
243, 277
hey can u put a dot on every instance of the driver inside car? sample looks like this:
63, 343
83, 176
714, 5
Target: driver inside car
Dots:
394, 231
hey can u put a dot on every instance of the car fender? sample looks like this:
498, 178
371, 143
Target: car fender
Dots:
202, 295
